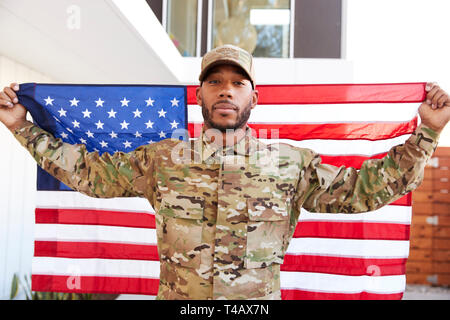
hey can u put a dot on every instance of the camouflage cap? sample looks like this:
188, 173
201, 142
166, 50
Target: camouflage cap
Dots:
228, 54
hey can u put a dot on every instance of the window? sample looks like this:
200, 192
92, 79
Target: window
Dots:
258, 26
181, 25
267, 28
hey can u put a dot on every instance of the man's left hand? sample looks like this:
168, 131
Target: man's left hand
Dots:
435, 110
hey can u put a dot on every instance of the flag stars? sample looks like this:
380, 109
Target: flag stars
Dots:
64, 135
62, 112
174, 124
49, 101
124, 125
99, 124
104, 144
162, 134
86, 113
149, 102
124, 102
127, 144
137, 113
89, 134
99, 102
112, 114
138, 134
149, 124
174, 102
162, 113
83, 141
74, 102
76, 124
113, 135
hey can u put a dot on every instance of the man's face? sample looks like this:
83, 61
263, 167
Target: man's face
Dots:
227, 97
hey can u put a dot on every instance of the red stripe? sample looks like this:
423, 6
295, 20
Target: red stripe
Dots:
310, 295
120, 285
344, 265
334, 93
302, 263
95, 217
352, 230
335, 131
95, 284
102, 250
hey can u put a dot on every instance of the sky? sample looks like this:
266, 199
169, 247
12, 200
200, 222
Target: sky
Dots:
400, 41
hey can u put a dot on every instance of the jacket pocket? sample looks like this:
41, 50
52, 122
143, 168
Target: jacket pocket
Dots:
181, 229
266, 231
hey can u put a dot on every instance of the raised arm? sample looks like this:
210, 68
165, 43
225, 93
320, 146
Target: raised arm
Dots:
105, 176
378, 182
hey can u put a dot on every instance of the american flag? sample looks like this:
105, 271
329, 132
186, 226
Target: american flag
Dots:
86, 244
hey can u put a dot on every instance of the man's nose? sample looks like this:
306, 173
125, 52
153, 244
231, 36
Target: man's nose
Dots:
226, 91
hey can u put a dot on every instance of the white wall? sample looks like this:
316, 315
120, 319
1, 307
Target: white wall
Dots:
400, 41
17, 189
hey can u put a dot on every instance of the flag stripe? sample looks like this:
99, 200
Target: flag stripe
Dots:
333, 93
94, 284
336, 131
303, 263
324, 113
311, 295
388, 214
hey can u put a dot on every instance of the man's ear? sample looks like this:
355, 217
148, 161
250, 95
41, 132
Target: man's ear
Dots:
198, 94
255, 97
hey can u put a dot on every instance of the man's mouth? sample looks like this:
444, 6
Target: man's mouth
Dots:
224, 106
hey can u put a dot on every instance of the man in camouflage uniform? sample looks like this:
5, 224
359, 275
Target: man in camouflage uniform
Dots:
227, 204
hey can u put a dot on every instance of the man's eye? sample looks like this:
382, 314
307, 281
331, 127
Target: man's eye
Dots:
240, 83
213, 81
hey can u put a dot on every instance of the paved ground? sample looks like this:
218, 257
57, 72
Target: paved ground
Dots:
413, 292
422, 292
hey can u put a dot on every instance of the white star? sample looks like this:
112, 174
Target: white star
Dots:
162, 113
86, 113
76, 124
99, 102
162, 134
74, 102
174, 102
124, 102
138, 135
137, 113
62, 112
99, 124
127, 144
83, 141
104, 144
56, 119
150, 142
174, 124
149, 102
90, 134
149, 124
49, 101
124, 125
112, 114
70, 130
113, 135
64, 135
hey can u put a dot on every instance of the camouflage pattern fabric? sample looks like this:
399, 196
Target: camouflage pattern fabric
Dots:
225, 216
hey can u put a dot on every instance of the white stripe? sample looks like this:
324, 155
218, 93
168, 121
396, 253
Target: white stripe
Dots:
352, 248
323, 282
95, 267
76, 200
85, 233
386, 214
324, 113
343, 147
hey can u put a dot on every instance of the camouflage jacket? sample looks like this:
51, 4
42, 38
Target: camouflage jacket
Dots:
225, 216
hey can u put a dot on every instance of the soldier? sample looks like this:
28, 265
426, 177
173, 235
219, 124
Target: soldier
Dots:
227, 204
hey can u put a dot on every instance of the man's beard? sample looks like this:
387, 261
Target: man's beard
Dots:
242, 118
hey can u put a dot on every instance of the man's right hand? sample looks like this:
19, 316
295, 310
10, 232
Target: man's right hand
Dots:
12, 113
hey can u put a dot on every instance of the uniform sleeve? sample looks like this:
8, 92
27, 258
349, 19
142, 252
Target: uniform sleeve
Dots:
333, 189
105, 176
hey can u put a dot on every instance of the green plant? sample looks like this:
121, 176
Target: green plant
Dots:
34, 295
